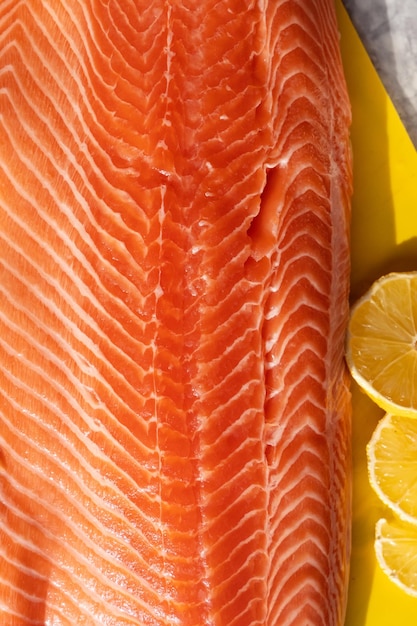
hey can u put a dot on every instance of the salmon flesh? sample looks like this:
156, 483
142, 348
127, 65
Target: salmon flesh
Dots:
175, 183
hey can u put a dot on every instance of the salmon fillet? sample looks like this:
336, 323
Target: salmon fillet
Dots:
175, 185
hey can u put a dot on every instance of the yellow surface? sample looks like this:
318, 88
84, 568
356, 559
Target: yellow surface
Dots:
384, 238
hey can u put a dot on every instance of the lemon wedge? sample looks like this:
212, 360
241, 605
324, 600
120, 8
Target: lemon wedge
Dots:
381, 347
392, 465
396, 553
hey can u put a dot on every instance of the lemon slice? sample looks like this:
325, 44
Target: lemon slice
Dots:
381, 343
392, 465
396, 552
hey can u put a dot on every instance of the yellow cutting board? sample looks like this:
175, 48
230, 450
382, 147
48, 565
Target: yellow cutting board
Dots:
384, 239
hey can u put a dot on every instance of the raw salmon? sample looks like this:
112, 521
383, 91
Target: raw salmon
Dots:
175, 183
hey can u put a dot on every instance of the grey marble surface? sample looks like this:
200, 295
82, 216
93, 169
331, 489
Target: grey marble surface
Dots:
388, 29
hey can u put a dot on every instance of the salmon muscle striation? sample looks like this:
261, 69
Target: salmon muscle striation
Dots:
175, 185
